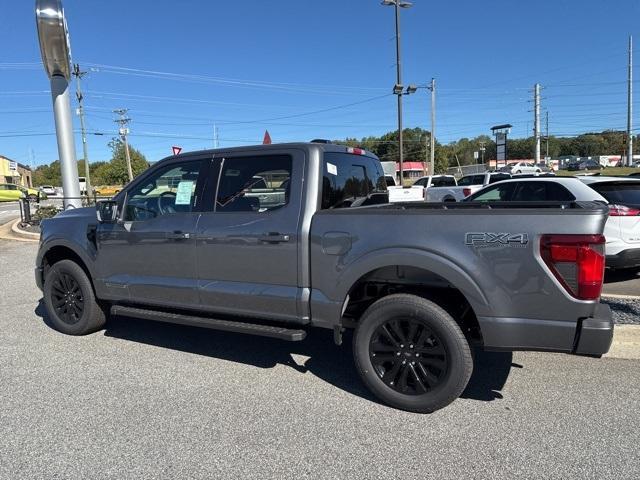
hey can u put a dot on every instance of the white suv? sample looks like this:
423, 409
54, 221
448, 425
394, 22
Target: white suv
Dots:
623, 226
622, 194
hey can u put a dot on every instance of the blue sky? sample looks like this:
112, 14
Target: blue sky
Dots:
247, 66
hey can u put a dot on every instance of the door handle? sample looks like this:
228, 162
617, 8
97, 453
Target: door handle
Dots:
178, 235
274, 237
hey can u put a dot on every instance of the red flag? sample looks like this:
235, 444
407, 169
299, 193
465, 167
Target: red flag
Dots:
267, 138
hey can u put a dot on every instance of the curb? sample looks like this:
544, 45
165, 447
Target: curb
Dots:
16, 229
620, 296
626, 342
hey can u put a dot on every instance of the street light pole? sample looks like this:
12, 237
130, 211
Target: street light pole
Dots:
54, 46
397, 89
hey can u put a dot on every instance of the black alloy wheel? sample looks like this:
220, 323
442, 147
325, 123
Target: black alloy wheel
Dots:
67, 298
407, 356
70, 300
411, 353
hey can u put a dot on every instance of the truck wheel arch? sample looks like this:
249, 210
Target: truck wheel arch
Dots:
62, 251
428, 263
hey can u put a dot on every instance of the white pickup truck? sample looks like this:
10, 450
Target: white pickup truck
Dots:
466, 186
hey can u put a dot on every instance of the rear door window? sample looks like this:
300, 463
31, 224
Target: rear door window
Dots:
443, 182
541, 192
254, 184
352, 181
471, 180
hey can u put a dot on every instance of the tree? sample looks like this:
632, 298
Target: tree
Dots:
115, 172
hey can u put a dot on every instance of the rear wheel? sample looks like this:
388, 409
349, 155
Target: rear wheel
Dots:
70, 301
411, 354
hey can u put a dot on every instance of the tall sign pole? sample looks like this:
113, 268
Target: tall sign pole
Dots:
56, 57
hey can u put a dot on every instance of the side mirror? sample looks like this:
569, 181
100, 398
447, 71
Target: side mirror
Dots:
107, 211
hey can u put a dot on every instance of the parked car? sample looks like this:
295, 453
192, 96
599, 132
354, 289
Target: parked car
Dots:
585, 165
521, 167
419, 283
11, 192
48, 190
635, 174
107, 190
623, 226
466, 186
622, 230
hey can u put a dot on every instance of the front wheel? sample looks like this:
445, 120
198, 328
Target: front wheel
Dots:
70, 301
411, 354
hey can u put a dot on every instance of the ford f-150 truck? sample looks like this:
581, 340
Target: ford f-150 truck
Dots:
189, 241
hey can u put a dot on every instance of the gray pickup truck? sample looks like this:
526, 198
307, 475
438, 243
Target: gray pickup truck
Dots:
189, 241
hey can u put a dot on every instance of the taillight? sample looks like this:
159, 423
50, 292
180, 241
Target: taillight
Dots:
623, 211
466, 191
577, 261
355, 151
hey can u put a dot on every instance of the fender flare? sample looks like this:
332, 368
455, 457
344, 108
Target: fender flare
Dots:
74, 247
427, 260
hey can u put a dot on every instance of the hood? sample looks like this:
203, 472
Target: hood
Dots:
78, 212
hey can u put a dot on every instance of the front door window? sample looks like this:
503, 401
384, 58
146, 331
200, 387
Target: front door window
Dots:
170, 190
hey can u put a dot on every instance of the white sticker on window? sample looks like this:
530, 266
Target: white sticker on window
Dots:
332, 169
183, 193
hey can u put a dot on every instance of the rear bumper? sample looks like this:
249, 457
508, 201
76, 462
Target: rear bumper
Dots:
625, 259
587, 336
595, 334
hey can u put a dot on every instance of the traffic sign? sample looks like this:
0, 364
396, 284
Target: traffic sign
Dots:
176, 150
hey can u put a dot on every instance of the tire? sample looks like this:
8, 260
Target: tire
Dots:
79, 313
438, 364
518, 172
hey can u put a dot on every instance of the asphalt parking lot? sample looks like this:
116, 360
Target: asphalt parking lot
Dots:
146, 400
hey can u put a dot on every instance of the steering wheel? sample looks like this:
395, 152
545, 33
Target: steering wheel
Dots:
167, 203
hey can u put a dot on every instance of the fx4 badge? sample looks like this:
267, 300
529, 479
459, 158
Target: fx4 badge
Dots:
489, 239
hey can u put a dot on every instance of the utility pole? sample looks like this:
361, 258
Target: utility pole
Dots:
630, 106
123, 121
215, 136
537, 121
78, 74
433, 127
546, 156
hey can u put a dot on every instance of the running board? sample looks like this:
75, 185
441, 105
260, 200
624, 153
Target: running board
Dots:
282, 333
